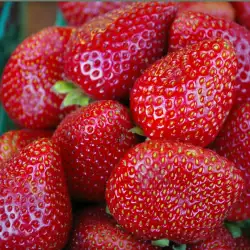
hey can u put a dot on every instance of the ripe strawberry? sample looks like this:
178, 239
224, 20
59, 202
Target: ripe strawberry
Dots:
77, 13
107, 54
92, 141
233, 142
190, 27
242, 10
94, 229
35, 210
33, 68
242, 243
163, 189
218, 9
220, 240
188, 94
12, 141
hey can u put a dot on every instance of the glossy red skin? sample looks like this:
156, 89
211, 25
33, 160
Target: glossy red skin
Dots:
218, 9
92, 141
95, 229
242, 10
12, 141
220, 240
184, 96
35, 209
233, 142
32, 70
107, 54
78, 13
163, 189
191, 27
242, 243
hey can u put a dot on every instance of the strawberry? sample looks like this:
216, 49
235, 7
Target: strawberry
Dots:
12, 141
107, 54
188, 94
233, 142
35, 209
221, 239
33, 68
94, 229
218, 9
242, 10
92, 141
191, 27
242, 243
162, 189
77, 13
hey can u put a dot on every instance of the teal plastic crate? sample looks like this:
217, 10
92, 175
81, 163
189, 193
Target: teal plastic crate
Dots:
12, 32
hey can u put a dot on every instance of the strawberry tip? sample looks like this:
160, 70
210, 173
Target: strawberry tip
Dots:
160, 243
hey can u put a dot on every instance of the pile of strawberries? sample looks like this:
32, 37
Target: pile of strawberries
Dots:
133, 130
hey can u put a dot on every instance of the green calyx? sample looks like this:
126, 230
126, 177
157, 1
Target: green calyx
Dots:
234, 229
74, 95
160, 243
180, 247
108, 211
137, 130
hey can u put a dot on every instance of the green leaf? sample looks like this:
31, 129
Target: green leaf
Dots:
62, 87
234, 229
180, 247
75, 97
160, 243
137, 130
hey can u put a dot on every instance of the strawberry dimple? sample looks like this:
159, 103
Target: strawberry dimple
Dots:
162, 189
188, 94
233, 142
190, 27
34, 199
32, 70
92, 141
107, 54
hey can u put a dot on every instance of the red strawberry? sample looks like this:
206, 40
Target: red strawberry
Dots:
242, 10
191, 27
233, 142
220, 240
92, 141
188, 94
108, 53
242, 243
163, 189
77, 13
35, 210
217, 9
95, 229
12, 141
33, 68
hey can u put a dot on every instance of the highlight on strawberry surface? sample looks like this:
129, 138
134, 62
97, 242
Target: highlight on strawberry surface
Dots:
125, 125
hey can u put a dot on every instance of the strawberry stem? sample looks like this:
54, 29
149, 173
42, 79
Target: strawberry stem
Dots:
160, 243
180, 247
74, 95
